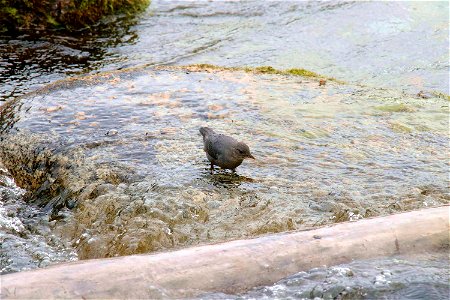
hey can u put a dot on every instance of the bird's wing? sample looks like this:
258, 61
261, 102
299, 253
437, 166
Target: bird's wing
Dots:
212, 150
219, 145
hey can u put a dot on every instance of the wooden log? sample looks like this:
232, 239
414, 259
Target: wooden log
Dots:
235, 266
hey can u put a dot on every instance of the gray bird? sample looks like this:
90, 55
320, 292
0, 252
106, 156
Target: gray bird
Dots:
223, 151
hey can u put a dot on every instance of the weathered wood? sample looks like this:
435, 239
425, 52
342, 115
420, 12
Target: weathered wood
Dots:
234, 266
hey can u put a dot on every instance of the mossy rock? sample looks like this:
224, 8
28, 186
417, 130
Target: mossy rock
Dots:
61, 14
262, 70
400, 128
441, 95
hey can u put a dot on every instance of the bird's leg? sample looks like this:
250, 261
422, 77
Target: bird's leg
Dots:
212, 169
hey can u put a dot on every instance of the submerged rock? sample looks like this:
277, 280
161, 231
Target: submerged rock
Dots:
119, 165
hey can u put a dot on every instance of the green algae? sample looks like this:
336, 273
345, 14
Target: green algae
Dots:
441, 95
313, 135
52, 21
307, 134
395, 108
400, 128
264, 70
422, 128
302, 72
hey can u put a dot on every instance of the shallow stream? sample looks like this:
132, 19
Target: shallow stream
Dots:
111, 163
128, 156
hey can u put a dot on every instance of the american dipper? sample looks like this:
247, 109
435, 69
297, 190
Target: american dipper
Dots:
223, 151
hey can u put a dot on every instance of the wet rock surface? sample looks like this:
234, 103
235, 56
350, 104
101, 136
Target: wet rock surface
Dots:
116, 160
26, 238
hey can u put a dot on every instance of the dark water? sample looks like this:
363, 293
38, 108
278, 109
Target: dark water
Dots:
114, 160
32, 59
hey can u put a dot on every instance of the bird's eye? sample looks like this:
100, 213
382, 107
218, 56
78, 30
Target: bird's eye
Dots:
240, 151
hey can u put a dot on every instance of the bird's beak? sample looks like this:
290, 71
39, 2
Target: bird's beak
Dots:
251, 156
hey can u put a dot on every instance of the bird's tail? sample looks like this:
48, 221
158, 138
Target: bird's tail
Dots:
205, 131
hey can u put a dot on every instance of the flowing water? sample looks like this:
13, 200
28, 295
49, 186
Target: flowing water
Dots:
26, 239
129, 156
112, 164
403, 45
389, 278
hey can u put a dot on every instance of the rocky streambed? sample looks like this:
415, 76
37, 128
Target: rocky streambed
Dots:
114, 161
